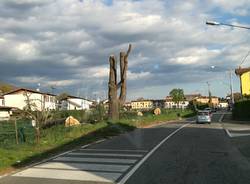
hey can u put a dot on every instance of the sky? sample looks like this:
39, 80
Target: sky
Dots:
64, 45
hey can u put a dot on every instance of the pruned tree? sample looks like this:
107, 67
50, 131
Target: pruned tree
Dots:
116, 102
178, 95
38, 114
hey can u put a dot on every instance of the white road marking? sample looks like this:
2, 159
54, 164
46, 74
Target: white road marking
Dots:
236, 134
228, 133
85, 166
105, 154
69, 175
99, 160
132, 171
115, 150
222, 116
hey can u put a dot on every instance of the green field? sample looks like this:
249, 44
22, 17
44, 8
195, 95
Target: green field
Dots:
59, 138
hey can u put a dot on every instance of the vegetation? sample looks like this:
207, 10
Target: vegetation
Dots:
241, 110
59, 138
177, 94
4, 87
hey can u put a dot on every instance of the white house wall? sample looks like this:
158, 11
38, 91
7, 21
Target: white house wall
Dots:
82, 104
19, 100
171, 104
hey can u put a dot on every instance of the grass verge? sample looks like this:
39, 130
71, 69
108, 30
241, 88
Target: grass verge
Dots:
58, 139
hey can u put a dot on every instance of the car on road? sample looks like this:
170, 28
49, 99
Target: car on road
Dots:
203, 117
208, 109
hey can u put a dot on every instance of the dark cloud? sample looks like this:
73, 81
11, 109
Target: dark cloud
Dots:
67, 43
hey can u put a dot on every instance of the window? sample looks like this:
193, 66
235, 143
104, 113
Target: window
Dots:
46, 98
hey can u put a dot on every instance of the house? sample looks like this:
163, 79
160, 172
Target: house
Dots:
5, 113
75, 103
223, 105
191, 97
170, 104
142, 104
21, 97
127, 105
244, 74
160, 103
205, 100
2, 101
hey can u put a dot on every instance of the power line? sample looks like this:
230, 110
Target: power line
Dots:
244, 59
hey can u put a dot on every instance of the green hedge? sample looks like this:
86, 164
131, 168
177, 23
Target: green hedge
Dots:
241, 110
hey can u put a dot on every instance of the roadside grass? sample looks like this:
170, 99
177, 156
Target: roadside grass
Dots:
57, 139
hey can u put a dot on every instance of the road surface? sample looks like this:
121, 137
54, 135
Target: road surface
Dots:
172, 153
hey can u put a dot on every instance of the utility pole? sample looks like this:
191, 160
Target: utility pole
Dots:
209, 94
231, 87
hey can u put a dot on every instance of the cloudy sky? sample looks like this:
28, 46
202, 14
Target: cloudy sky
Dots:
66, 44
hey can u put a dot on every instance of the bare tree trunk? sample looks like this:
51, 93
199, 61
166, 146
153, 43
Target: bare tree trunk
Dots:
37, 135
113, 102
123, 71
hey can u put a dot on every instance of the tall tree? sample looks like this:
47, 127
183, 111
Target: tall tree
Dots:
178, 95
114, 102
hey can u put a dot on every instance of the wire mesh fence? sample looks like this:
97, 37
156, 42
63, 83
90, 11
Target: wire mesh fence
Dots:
10, 134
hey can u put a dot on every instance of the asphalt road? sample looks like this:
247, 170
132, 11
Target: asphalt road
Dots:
165, 154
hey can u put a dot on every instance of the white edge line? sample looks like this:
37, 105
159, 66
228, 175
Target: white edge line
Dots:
132, 171
228, 133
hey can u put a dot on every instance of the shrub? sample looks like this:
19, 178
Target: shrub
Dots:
241, 110
97, 114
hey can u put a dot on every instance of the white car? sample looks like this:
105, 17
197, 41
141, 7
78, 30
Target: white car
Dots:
203, 117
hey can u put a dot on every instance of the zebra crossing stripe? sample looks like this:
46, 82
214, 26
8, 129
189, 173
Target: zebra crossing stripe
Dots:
114, 150
84, 166
69, 175
96, 160
105, 154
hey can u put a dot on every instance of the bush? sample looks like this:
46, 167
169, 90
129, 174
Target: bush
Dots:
128, 114
81, 115
241, 110
97, 114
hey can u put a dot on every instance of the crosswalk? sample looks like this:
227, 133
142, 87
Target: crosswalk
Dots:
89, 165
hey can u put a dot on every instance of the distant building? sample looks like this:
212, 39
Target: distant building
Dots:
160, 103
128, 105
191, 97
244, 74
223, 105
142, 104
205, 100
170, 104
19, 98
75, 103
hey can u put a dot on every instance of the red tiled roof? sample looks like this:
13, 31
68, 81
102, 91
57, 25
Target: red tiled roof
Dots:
29, 90
240, 70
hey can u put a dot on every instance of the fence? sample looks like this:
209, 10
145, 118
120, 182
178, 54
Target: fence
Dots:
9, 135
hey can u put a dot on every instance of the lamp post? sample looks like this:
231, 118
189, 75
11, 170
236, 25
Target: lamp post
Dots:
213, 23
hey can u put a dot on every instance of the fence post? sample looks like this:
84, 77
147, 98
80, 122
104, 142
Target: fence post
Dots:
16, 131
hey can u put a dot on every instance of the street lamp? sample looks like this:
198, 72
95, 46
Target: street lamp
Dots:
213, 23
